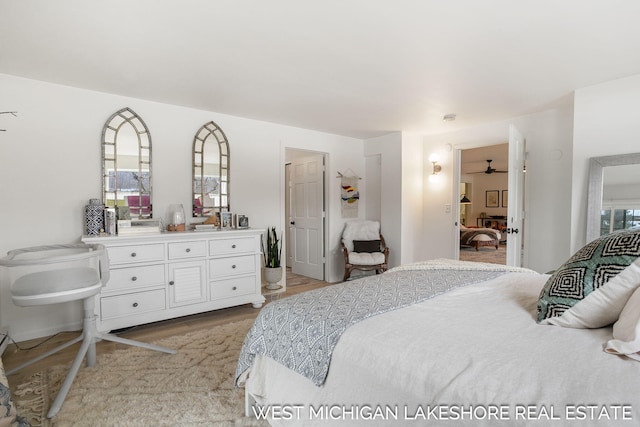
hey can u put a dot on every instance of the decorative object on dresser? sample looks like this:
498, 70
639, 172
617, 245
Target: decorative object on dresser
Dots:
226, 220
94, 217
176, 218
166, 275
272, 254
241, 221
55, 274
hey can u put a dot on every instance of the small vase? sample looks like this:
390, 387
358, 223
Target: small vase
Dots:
176, 218
94, 217
272, 276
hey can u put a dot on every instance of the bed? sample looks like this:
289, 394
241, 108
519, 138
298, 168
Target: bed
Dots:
474, 353
477, 237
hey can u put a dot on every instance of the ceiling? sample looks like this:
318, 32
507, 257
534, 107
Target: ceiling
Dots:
358, 68
474, 160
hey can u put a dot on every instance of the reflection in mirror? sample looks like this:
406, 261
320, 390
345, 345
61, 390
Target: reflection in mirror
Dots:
210, 171
614, 194
126, 165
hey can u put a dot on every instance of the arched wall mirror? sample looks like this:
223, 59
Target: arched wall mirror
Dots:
211, 161
126, 165
613, 201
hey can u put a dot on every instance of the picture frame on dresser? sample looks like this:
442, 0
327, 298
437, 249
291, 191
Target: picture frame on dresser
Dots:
226, 221
241, 221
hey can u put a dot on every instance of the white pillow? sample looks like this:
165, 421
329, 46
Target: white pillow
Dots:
626, 331
603, 306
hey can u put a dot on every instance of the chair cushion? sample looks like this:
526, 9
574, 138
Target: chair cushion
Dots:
366, 245
54, 286
366, 258
359, 230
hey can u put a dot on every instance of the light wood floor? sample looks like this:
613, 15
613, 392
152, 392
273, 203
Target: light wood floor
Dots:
148, 333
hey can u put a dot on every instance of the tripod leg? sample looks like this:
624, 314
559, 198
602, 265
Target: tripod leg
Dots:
66, 385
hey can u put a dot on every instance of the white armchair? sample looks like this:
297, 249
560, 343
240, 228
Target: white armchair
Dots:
364, 248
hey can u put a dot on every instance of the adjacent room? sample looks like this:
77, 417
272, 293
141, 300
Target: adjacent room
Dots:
283, 213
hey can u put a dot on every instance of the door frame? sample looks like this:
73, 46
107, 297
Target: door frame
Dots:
285, 157
455, 198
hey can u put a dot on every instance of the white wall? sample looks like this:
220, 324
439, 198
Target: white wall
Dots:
389, 147
547, 187
412, 218
481, 184
50, 168
607, 122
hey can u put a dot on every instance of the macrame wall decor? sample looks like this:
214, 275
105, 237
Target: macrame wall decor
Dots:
349, 193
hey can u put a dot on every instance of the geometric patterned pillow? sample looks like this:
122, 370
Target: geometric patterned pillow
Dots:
587, 270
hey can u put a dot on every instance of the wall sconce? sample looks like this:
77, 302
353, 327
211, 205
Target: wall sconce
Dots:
434, 158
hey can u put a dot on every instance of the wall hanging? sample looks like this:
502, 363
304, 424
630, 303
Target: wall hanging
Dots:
349, 194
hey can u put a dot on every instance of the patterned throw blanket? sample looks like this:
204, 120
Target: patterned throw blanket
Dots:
301, 331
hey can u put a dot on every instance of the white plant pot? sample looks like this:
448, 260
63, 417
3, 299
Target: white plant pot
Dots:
272, 276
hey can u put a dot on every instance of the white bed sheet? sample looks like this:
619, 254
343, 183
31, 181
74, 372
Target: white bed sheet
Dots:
476, 349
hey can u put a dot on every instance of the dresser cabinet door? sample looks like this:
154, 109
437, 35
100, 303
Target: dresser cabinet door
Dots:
187, 283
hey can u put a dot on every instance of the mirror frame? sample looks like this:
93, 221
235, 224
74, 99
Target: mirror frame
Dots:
124, 116
202, 136
594, 192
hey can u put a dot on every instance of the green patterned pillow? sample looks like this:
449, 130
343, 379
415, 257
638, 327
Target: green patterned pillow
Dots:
586, 273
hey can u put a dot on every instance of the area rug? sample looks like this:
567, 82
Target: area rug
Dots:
138, 387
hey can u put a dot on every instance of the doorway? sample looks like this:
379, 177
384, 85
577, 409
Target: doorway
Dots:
483, 195
305, 182
513, 198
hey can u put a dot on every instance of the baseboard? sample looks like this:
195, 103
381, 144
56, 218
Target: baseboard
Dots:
4, 339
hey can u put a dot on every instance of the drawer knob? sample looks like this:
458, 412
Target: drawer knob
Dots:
188, 249
133, 254
135, 304
233, 266
233, 246
171, 283
234, 288
134, 278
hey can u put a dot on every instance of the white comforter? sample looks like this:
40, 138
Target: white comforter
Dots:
474, 356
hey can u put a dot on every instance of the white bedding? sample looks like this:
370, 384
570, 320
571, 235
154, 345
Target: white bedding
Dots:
476, 353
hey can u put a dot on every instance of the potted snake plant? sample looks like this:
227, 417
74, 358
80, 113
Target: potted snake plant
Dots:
272, 252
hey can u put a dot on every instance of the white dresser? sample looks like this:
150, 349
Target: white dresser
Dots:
166, 275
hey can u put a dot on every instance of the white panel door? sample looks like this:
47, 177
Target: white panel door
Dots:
515, 209
307, 216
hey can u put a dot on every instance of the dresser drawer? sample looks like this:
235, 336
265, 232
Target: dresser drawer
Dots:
136, 253
232, 246
181, 250
135, 277
132, 304
233, 287
221, 267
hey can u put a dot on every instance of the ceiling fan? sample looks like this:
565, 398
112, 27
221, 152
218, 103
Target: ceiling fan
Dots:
490, 170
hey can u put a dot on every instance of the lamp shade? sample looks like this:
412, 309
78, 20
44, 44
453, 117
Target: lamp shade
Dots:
465, 200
